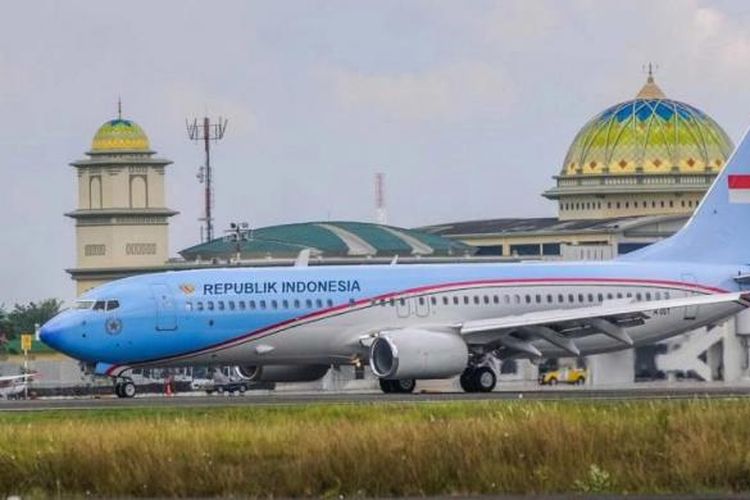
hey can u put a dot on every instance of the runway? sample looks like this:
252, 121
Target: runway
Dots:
281, 398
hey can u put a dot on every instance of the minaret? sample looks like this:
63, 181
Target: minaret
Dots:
121, 219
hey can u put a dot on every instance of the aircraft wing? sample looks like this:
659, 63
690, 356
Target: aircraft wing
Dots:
515, 334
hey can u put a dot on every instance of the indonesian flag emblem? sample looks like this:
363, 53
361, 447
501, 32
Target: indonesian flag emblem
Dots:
739, 188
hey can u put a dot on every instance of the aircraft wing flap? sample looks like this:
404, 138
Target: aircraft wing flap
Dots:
618, 313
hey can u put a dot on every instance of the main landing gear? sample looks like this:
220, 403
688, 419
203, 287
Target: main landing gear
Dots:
401, 386
479, 379
124, 388
481, 373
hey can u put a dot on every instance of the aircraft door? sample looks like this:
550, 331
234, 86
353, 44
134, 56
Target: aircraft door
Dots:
166, 310
403, 307
422, 306
691, 312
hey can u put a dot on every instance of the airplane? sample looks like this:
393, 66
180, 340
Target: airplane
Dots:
14, 385
419, 321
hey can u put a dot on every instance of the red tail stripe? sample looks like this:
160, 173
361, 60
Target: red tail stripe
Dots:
739, 182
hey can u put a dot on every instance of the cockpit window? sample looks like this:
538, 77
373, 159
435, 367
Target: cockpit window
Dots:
112, 305
84, 304
100, 305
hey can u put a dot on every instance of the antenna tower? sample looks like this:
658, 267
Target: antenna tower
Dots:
206, 132
381, 216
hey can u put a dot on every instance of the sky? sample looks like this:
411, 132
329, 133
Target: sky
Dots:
468, 107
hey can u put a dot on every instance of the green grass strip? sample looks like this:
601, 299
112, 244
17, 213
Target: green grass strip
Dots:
381, 450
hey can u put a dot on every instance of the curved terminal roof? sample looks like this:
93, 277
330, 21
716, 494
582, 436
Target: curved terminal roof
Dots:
120, 135
329, 240
650, 134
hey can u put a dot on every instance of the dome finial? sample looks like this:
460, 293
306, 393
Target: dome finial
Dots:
119, 108
650, 90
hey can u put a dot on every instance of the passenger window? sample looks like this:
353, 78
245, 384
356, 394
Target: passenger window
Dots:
518, 299
285, 304
580, 298
421, 301
188, 306
486, 300
241, 304
561, 298
495, 299
666, 295
329, 302
600, 298
591, 297
199, 306
221, 305
112, 305
466, 300
445, 300
392, 301
658, 295
549, 299
433, 301
262, 304
402, 302
619, 295
476, 300
455, 300
210, 305
648, 295
231, 305
506, 299
638, 296
274, 304
308, 303
629, 295
251, 304
528, 299
609, 296
319, 303
296, 303
538, 299
571, 298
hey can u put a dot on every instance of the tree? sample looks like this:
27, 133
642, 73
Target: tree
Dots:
24, 317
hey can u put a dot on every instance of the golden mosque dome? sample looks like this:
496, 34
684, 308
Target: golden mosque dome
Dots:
120, 135
650, 134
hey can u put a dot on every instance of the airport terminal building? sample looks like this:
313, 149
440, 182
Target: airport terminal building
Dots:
632, 176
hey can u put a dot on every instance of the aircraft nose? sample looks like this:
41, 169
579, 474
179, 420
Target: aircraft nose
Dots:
50, 334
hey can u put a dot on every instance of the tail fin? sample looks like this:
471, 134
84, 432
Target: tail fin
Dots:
719, 230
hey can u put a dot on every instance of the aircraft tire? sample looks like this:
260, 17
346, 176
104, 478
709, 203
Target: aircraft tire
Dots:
405, 385
127, 389
387, 386
467, 380
118, 390
484, 379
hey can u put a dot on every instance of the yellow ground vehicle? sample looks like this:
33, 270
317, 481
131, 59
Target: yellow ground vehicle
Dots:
575, 376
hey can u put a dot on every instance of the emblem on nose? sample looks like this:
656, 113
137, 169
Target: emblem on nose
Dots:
187, 288
113, 326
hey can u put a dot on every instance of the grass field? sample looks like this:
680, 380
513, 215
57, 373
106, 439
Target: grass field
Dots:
386, 449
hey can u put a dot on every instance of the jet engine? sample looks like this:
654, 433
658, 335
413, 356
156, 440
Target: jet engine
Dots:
281, 373
419, 354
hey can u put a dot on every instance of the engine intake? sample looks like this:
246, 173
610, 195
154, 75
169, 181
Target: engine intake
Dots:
281, 373
417, 353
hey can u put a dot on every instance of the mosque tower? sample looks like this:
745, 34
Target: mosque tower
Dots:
121, 219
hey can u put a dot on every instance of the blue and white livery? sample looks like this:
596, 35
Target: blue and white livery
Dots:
413, 322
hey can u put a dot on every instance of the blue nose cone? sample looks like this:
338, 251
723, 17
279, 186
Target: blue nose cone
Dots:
51, 334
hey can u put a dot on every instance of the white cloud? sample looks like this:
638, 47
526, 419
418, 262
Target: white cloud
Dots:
446, 93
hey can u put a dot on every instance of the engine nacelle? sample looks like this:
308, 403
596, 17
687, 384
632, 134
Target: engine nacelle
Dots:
419, 354
282, 373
